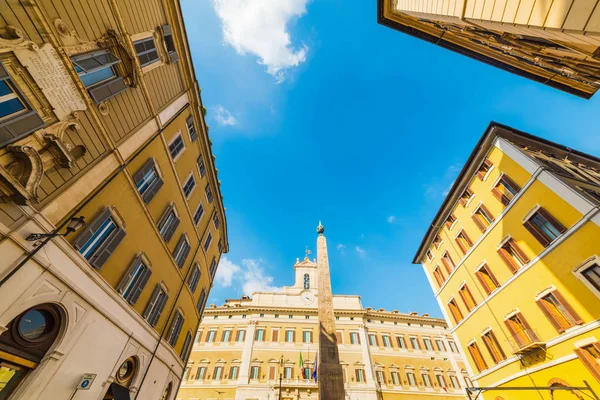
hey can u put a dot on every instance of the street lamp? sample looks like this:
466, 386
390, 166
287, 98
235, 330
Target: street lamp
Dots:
74, 224
280, 374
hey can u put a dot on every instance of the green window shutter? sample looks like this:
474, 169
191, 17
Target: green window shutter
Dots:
108, 90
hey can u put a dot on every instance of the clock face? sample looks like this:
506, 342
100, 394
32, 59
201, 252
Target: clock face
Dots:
308, 297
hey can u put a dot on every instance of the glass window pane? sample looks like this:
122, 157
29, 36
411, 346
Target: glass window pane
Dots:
11, 106
5, 88
89, 64
97, 76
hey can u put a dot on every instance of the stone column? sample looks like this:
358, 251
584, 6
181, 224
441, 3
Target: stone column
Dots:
247, 354
329, 372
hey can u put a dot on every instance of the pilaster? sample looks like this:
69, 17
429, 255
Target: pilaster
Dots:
247, 353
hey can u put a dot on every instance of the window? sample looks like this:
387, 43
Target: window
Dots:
201, 167
455, 311
207, 241
186, 372
201, 374
189, 186
485, 167
216, 221
493, 347
289, 336
290, 316
134, 281
512, 256
306, 373
194, 278
100, 239
209, 195
176, 147
590, 357
429, 255
254, 372
411, 379
372, 340
175, 329
386, 341
240, 335
169, 43
592, 275
97, 72
463, 241
426, 379
483, 218
210, 338
380, 377
477, 356
218, 373
440, 345
226, 336
414, 342
395, 378
181, 251
287, 373
487, 279
260, 335
233, 372
465, 197
401, 342
148, 181
505, 190
146, 51
339, 337
168, 223
448, 263
191, 128
306, 281
544, 227
307, 337
521, 332
437, 241
558, 311
201, 301
187, 345
155, 305
441, 381
213, 268
467, 297
453, 347
450, 221
198, 214
360, 375
439, 276
427, 343
354, 339
454, 382
276, 315
275, 335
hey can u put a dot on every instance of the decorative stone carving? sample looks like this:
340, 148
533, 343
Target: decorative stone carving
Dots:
16, 42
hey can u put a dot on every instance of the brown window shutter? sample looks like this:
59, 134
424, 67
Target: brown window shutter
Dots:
338, 336
108, 90
462, 202
483, 283
275, 336
461, 245
356, 374
526, 325
560, 227
310, 338
294, 336
590, 363
512, 183
518, 250
358, 337
461, 293
537, 233
271, 372
376, 340
484, 208
508, 260
480, 175
498, 194
344, 379
568, 308
544, 307
467, 238
478, 223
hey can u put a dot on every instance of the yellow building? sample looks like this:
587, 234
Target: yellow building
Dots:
243, 347
513, 258
101, 118
556, 43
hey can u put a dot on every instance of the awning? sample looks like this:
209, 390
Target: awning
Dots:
119, 392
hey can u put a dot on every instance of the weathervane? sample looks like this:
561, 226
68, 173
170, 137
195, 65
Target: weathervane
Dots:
306, 252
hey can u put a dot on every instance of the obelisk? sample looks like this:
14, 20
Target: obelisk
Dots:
329, 371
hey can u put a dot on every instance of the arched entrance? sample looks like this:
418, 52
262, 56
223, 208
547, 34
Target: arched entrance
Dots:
24, 344
119, 389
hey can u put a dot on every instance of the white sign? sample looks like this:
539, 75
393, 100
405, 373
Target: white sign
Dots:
86, 381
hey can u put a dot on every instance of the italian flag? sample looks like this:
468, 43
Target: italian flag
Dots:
301, 365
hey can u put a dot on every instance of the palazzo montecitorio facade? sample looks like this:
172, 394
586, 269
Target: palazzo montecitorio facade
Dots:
102, 136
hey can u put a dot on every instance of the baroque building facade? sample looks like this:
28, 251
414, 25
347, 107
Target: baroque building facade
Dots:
101, 122
556, 43
513, 258
250, 347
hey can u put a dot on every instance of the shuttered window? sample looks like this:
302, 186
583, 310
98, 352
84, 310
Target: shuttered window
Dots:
437, 241
448, 262
146, 51
233, 372
454, 382
288, 373
240, 335
592, 275
155, 305
307, 337
168, 223
209, 195
426, 379
187, 346
411, 379
414, 342
169, 43
17, 118
176, 147
441, 381
521, 333
191, 128
275, 335
226, 336
558, 311
189, 186
360, 375
97, 72
201, 301
207, 241
467, 297
483, 218
198, 214
450, 221
465, 197
544, 227
339, 337
100, 239
485, 167
455, 311
487, 279
590, 357
439, 276
493, 347
453, 347
194, 278
289, 336
134, 281
380, 377
254, 372
463, 241
512, 255
175, 329
505, 190
354, 338
395, 378
148, 181
213, 268
181, 251
216, 221
218, 373
477, 357
427, 343
386, 341
440, 345
201, 373
201, 166
260, 335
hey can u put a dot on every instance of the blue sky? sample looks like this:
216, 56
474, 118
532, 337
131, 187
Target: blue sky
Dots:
316, 112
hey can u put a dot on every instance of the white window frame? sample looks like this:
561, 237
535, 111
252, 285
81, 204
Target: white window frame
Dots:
595, 259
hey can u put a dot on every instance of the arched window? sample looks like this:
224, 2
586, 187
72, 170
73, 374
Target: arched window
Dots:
27, 340
306, 281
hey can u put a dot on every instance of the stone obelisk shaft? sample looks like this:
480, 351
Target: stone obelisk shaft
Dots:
331, 384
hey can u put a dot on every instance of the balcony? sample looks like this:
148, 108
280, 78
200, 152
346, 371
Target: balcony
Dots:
525, 341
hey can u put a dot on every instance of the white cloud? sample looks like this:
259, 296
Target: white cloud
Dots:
223, 116
225, 272
340, 247
361, 252
391, 219
260, 27
254, 278
441, 184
